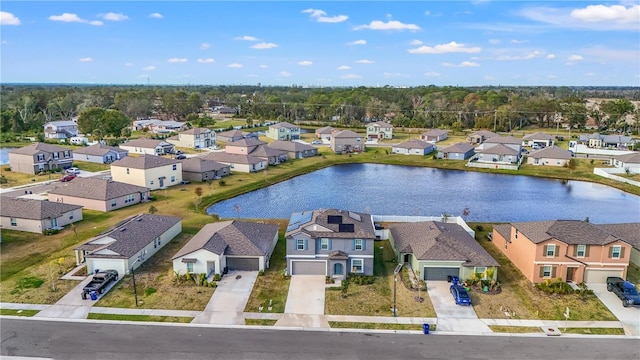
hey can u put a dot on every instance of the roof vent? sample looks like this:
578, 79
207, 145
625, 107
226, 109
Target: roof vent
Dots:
123, 229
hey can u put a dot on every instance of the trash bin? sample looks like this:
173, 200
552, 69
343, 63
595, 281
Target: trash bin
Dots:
94, 295
455, 280
84, 295
425, 329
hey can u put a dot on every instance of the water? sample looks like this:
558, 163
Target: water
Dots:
4, 156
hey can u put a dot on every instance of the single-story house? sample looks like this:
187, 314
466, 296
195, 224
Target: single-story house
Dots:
36, 216
630, 232
38, 157
434, 135
551, 156
324, 133
237, 162
498, 154
379, 130
138, 125
98, 194
230, 245
627, 161
458, 151
168, 126
129, 244
294, 149
346, 141
201, 169
438, 251
148, 146
510, 141
272, 155
479, 137
413, 147
230, 136
541, 139
243, 146
150, 171
99, 153
195, 138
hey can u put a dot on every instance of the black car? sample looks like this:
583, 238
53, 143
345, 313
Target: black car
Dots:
181, 157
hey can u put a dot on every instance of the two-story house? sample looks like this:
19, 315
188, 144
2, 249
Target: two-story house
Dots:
63, 129
570, 250
379, 130
38, 157
283, 131
195, 138
346, 141
148, 146
99, 153
330, 242
150, 171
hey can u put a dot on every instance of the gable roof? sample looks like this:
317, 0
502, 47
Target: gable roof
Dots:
630, 232
632, 158
304, 221
196, 131
551, 152
434, 132
145, 143
382, 124
499, 149
98, 150
457, 148
233, 158
538, 136
34, 209
232, 133
200, 165
325, 130
346, 134
144, 162
263, 151
62, 123
290, 146
96, 188
232, 238
413, 144
573, 232
36, 148
246, 142
283, 124
503, 140
432, 240
484, 133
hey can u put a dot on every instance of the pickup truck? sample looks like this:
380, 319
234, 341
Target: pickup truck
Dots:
625, 290
99, 282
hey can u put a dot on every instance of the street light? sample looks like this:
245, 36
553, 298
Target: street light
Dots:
133, 275
395, 281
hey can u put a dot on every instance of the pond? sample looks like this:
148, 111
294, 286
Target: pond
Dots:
4, 156
406, 190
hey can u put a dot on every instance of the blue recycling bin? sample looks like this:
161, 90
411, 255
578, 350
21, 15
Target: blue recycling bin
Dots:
94, 295
455, 280
425, 329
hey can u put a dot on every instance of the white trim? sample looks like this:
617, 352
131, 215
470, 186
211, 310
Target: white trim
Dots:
302, 256
577, 263
361, 256
605, 269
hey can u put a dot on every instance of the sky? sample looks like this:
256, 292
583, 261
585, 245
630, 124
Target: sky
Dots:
325, 43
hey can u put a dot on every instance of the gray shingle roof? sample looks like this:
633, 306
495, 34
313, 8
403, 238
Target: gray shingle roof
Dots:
485, 133
325, 130
200, 165
363, 228
346, 134
196, 131
145, 143
431, 240
457, 148
264, 151
144, 162
414, 144
284, 124
503, 229
538, 136
382, 124
233, 158
499, 149
551, 152
633, 158
434, 132
290, 146
38, 147
503, 140
247, 142
232, 133
98, 150
573, 232
630, 232
33, 209
232, 238
96, 188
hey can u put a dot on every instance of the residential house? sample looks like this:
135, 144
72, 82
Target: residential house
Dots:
458, 151
498, 154
283, 131
570, 250
629, 162
227, 245
630, 232
201, 169
599, 141
346, 141
413, 147
150, 171
510, 141
540, 139
551, 156
148, 146
129, 244
99, 153
434, 135
230, 136
39, 157
379, 130
63, 129
36, 216
139, 125
224, 110
330, 242
195, 138
257, 148
294, 149
243, 146
272, 155
479, 137
168, 126
324, 133
238, 162
98, 194
439, 251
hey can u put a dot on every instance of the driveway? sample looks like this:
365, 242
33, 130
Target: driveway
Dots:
452, 317
227, 304
305, 303
628, 316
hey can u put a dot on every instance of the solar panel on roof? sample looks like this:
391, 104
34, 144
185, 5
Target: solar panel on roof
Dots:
299, 218
355, 216
334, 219
346, 228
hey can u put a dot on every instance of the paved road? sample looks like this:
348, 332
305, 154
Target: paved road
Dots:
87, 340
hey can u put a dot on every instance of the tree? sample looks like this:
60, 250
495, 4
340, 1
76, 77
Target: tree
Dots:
198, 191
152, 210
617, 110
101, 122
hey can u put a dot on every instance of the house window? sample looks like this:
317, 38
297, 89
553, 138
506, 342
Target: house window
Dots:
616, 251
67, 154
173, 179
113, 203
581, 251
56, 155
127, 171
129, 198
175, 166
324, 244
546, 271
482, 272
189, 267
357, 265
14, 222
516, 233
357, 244
70, 216
300, 244
551, 250
151, 182
40, 157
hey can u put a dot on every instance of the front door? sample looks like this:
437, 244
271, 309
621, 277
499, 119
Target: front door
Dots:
337, 269
161, 182
570, 273
54, 223
407, 258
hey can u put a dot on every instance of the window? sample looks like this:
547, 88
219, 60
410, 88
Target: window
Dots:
56, 155
175, 166
516, 233
70, 216
67, 154
551, 250
482, 272
127, 171
546, 271
357, 265
40, 157
129, 198
616, 252
357, 244
189, 267
151, 182
113, 203
173, 179
14, 222
581, 250
300, 244
324, 244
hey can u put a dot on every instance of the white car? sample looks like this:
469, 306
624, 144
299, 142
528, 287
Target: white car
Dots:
73, 170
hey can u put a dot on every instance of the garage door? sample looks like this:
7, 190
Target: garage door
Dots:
308, 268
434, 273
600, 276
106, 264
243, 263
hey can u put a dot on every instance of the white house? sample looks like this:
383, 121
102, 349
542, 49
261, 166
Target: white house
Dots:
62, 129
148, 146
99, 153
195, 138
627, 161
379, 130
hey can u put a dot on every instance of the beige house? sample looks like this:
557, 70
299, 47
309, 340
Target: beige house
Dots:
413, 147
148, 146
243, 146
346, 141
238, 162
379, 130
630, 232
549, 156
38, 157
37, 216
479, 137
153, 172
230, 136
539, 139
98, 194
283, 131
196, 138
434, 135
324, 133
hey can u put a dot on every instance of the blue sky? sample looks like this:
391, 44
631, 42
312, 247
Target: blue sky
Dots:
326, 43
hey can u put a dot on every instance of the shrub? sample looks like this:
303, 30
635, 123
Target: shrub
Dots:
149, 291
7, 168
222, 183
479, 227
217, 277
555, 287
261, 273
50, 231
361, 279
3, 180
30, 282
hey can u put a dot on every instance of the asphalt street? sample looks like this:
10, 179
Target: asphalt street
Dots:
89, 340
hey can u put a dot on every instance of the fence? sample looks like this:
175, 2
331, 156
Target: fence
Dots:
407, 218
474, 163
608, 173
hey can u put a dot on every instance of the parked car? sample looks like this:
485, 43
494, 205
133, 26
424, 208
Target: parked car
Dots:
68, 177
460, 295
181, 157
316, 142
73, 170
100, 282
625, 290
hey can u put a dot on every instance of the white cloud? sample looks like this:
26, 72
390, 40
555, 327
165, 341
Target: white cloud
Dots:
351, 76
489, 77
462, 64
551, 56
206, 61
246, 38
592, 17
5, 42
149, 68
177, 60
365, 61
320, 16
590, 74
156, 15
111, 16
494, 41
7, 18
432, 73
415, 42
452, 47
575, 58
615, 13
234, 65
394, 25
526, 56
358, 42
128, 64
344, 67
284, 73
204, 46
515, 41
86, 59
305, 63
264, 45
263, 66
67, 17
427, 13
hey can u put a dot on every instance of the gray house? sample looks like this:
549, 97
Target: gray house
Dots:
412, 147
330, 242
200, 169
36, 216
294, 149
498, 154
99, 153
34, 158
458, 151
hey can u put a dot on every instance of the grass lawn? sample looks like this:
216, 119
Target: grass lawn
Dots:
593, 331
272, 285
515, 329
519, 295
377, 299
260, 322
91, 166
151, 318
16, 312
377, 326
633, 273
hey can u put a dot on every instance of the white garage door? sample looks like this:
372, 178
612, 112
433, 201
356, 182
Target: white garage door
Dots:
308, 268
600, 276
106, 264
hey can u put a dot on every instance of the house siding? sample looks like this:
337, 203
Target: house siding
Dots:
520, 251
109, 157
148, 177
29, 164
547, 161
100, 205
38, 226
202, 256
338, 145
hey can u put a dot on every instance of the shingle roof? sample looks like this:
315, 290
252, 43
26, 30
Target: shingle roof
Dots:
144, 143
485, 133
434, 132
200, 165
325, 130
503, 140
232, 238
144, 162
246, 142
633, 158
233, 158
36, 148
551, 152
499, 149
62, 123
538, 136
33, 209
431, 240
98, 150
362, 228
457, 148
96, 188
573, 232
232, 133
346, 134
504, 230
414, 144
290, 146
284, 124
630, 232
263, 151
382, 124
196, 131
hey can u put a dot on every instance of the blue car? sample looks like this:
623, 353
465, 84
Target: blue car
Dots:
460, 295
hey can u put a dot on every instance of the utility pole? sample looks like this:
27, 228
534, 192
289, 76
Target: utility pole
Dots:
495, 118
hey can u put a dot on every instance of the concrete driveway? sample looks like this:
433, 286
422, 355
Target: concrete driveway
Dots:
628, 316
305, 303
452, 317
227, 304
